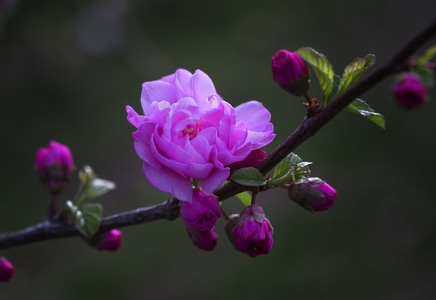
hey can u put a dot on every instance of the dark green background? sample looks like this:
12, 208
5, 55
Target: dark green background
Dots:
69, 68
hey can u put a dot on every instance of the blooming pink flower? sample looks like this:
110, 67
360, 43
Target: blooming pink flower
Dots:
189, 132
205, 240
110, 240
252, 160
200, 214
54, 165
313, 194
253, 231
7, 270
409, 91
290, 72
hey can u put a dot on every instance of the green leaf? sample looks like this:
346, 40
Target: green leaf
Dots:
321, 66
360, 107
86, 218
354, 71
248, 177
245, 198
91, 186
284, 167
425, 73
427, 56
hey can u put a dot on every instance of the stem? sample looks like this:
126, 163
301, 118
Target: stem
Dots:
170, 209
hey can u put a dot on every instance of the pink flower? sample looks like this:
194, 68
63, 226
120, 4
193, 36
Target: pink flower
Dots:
252, 160
205, 240
7, 270
110, 240
54, 165
290, 72
313, 194
200, 214
189, 132
253, 231
409, 91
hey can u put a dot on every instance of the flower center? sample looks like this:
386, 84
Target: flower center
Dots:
192, 129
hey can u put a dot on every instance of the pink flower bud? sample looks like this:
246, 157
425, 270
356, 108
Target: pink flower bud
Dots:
253, 231
290, 72
54, 165
205, 240
201, 214
313, 194
110, 240
6, 269
409, 91
252, 160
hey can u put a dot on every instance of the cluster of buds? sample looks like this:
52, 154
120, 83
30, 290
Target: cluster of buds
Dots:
199, 217
409, 90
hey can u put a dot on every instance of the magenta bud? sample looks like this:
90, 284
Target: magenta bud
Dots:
313, 194
54, 166
205, 240
202, 213
110, 240
253, 231
409, 91
290, 72
7, 270
252, 160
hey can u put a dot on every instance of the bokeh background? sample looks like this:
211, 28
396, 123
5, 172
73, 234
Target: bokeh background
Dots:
69, 68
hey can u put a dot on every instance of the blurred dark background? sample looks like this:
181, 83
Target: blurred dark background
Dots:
69, 68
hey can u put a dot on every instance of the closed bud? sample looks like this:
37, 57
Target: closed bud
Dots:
290, 72
252, 160
54, 166
202, 213
205, 240
253, 231
313, 194
7, 270
409, 91
110, 240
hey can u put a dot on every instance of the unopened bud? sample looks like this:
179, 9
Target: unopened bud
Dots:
252, 160
290, 72
313, 194
409, 91
110, 240
7, 270
205, 240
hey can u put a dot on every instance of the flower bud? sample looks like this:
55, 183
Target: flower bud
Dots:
290, 72
54, 165
252, 160
313, 194
202, 213
409, 91
110, 240
6, 269
253, 231
205, 240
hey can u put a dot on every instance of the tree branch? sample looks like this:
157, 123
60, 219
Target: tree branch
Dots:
170, 209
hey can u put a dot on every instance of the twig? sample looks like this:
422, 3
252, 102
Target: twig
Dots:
170, 209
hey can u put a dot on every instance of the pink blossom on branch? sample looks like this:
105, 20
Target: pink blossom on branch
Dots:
188, 132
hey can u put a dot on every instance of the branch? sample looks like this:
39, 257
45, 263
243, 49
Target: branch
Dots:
170, 209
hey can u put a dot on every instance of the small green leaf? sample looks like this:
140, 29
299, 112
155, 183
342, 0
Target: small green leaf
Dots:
425, 73
100, 186
427, 56
333, 93
321, 66
90, 219
245, 198
354, 71
248, 177
283, 167
91, 186
360, 107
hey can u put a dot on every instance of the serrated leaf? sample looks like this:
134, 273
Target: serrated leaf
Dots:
283, 167
245, 198
427, 56
321, 66
88, 219
362, 108
354, 71
333, 93
248, 177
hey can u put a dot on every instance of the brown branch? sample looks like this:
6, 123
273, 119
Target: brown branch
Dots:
170, 209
